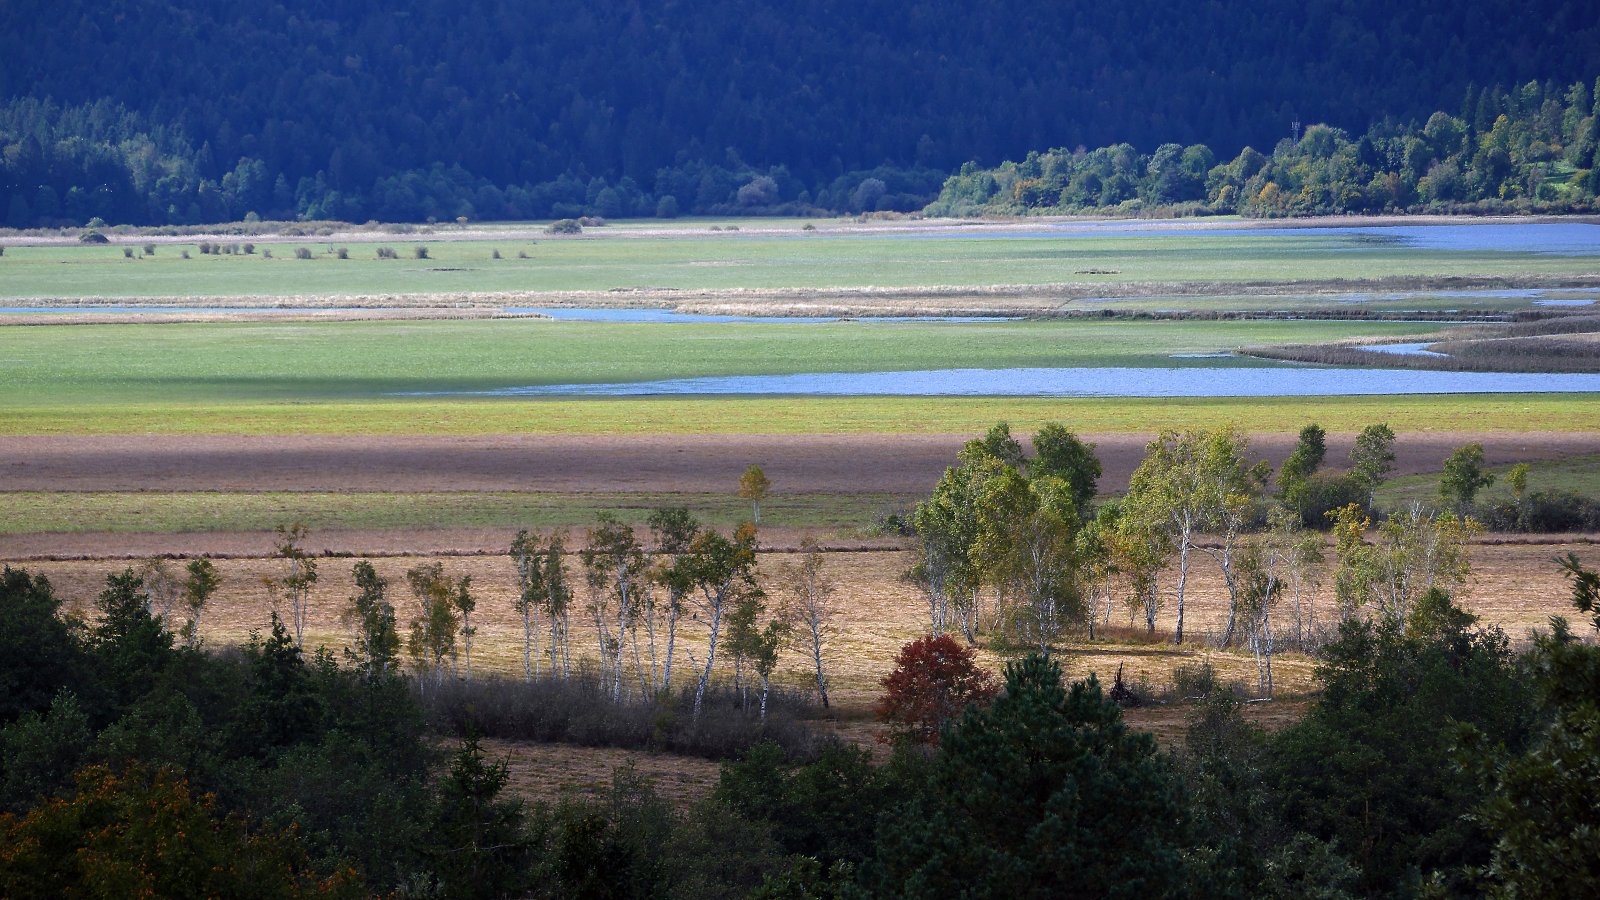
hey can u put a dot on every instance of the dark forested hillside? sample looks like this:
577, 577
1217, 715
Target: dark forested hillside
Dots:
498, 108
1535, 148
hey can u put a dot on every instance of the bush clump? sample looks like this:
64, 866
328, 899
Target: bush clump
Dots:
564, 226
579, 710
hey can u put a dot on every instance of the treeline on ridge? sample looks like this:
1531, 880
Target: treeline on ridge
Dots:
497, 110
1535, 148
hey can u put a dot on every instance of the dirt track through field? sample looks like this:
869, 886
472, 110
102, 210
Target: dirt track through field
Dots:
880, 463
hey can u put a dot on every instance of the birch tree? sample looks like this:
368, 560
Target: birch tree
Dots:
201, 583
434, 626
161, 587
722, 571
810, 593
375, 639
464, 603
1259, 571
753, 486
1027, 534
298, 575
1170, 484
764, 656
1412, 555
556, 599
527, 557
1232, 495
672, 534
1141, 545
615, 567
946, 526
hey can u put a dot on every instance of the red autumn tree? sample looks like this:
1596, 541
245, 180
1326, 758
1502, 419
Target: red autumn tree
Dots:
934, 680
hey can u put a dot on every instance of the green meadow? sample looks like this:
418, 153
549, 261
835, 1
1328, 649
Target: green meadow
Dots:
32, 512
53, 366
812, 415
1578, 474
697, 259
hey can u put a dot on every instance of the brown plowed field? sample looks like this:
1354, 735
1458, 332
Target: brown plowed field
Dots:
887, 463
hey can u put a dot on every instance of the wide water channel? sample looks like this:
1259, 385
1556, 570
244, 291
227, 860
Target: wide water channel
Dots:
1287, 381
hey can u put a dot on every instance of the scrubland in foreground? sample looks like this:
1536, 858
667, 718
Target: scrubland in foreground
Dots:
1515, 586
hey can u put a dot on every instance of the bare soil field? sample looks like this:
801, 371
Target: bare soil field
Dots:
830, 463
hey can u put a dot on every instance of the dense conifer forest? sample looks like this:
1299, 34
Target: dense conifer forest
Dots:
154, 112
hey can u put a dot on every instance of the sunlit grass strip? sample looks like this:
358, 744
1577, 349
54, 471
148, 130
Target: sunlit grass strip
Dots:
818, 415
706, 261
1579, 474
35, 512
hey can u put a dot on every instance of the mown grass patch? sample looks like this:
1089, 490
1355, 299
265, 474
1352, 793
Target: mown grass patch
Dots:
35, 512
1578, 474
811, 415
294, 361
701, 260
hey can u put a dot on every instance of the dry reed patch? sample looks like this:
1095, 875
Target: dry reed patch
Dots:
549, 773
1516, 586
1170, 724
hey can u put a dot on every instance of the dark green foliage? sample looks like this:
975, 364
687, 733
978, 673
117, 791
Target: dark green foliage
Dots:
146, 833
1315, 497
1045, 794
826, 809
1542, 809
40, 652
491, 109
280, 707
1059, 453
1463, 476
338, 754
1507, 159
1543, 512
130, 645
1367, 770
41, 751
1306, 456
477, 844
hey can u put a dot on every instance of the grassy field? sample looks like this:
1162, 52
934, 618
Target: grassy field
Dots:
279, 361
1579, 474
343, 359
26, 512
755, 415
701, 260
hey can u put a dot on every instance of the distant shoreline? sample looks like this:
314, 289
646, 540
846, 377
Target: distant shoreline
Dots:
303, 232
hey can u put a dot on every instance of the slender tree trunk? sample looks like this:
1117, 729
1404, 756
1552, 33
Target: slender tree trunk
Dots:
638, 665
554, 662
1266, 633
764, 687
816, 657
672, 639
1183, 579
711, 658
655, 668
